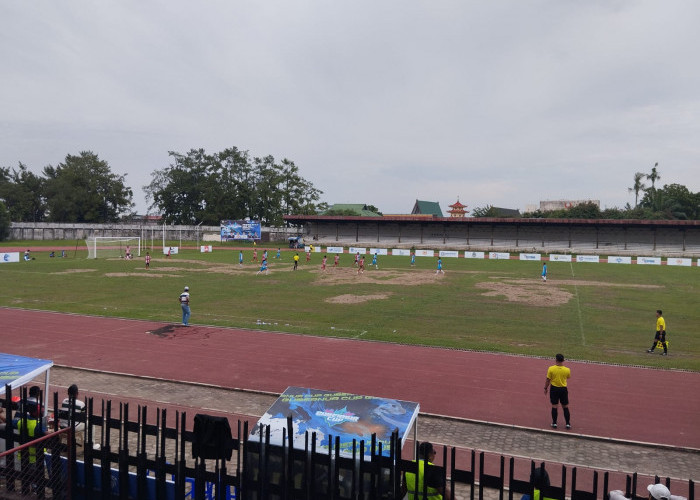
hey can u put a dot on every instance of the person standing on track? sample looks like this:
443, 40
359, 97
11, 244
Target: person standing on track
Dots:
185, 305
148, 260
660, 333
439, 267
240, 258
544, 272
557, 375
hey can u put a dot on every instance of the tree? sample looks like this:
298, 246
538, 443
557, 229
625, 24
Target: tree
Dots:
637, 187
654, 175
198, 187
22, 192
4, 222
485, 211
84, 189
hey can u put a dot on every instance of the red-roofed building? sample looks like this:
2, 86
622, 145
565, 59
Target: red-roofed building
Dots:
457, 209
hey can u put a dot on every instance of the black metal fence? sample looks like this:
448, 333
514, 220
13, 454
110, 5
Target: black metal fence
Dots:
120, 454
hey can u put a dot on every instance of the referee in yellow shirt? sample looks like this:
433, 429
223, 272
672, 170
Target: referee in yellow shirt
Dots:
557, 375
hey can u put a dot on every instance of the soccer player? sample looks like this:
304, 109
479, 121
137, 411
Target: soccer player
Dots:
557, 375
374, 261
361, 265
263, 267
148, 260
439, 267
413, 259
357, 259
544, 272
240, 258
323, 263
336, 260
296, 261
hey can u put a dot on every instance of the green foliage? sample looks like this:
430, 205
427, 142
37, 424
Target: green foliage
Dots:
374, 209
491, 211
348, 212
200, 187
4, 222
22, 192
84, 189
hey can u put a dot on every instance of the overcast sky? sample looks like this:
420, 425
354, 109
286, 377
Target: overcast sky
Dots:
380, 102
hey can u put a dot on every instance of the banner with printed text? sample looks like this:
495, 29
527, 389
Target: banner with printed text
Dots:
332, 414
240, 230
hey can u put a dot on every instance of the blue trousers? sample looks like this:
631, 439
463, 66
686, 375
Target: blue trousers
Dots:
185, 314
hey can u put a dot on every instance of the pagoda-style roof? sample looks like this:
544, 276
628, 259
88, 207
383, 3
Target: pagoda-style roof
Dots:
458, 210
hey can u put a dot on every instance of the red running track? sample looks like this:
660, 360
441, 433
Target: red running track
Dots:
628, 403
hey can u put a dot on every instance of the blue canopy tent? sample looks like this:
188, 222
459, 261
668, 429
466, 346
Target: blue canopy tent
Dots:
16, 371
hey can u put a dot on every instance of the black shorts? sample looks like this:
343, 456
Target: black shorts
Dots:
558, 395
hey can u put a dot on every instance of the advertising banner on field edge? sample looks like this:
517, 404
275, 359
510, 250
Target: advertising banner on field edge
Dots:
556, 257
649, 261
678, 262
333, 414
9, 257
619, 259
240, 230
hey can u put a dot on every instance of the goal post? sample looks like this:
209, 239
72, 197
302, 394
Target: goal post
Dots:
110, 246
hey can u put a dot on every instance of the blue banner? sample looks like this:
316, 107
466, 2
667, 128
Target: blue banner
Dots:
240, 230
330, 414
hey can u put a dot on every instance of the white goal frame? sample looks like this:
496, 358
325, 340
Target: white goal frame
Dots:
113, 246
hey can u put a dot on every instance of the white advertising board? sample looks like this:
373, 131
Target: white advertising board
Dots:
619, 259
360, 250
334, 249
530, 256
499, 255
679, 262
206, 249
588, 258
649, 261
9, 257
425, 253
170, 250
403, 252
556, 257
378, 251
449, 253
474, 255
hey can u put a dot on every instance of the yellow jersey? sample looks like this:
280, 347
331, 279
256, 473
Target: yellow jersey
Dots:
558, 375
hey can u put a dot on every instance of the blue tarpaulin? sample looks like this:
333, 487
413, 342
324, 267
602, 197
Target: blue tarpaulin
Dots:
18, 370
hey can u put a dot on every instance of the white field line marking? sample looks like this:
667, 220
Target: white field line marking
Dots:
578, 306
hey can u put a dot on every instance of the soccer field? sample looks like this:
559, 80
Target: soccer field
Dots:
598, 312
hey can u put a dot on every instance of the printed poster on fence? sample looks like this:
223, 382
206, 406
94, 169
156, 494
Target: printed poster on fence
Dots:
330, 414
240, 230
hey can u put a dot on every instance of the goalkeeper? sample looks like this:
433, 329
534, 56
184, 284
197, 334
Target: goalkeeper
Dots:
660, 333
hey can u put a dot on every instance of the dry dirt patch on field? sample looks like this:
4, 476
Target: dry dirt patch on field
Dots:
73, 271
343, 276
534, 294
356, 299
537, 293
144, 274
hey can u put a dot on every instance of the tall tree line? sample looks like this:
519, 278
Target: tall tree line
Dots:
80, 189
200, 187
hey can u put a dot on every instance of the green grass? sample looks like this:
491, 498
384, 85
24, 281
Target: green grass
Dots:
597, 312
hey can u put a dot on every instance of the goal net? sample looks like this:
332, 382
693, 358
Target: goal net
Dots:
107, 246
